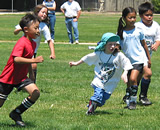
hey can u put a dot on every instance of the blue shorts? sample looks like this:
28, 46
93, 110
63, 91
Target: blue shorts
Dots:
100, 96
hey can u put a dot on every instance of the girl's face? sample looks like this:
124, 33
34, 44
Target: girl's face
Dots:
42, 14
147, 18
130, 20
109, 47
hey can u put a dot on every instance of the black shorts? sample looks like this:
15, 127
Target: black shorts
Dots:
138, 67
6, 89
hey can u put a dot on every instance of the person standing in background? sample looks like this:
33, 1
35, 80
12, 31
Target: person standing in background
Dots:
72, 11
51, 5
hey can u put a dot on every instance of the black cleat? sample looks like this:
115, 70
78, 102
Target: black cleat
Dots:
17, 118
144, 101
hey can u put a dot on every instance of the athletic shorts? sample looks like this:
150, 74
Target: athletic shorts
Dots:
6, 89
138, 67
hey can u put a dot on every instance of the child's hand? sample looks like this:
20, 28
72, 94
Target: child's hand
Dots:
52, 57
124, 76
149, 64
72, 64
155, 46
39, 59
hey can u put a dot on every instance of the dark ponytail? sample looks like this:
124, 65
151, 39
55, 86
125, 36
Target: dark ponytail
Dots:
121, 26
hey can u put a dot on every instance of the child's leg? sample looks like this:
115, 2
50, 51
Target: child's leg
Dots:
34, 68
133, 89
34, 94
95, 100
145, 82
5, 90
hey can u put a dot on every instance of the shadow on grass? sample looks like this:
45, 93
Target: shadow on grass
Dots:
28, 125
102, 113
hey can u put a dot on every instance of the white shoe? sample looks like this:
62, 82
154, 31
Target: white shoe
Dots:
52, 40
45, 41
76, 42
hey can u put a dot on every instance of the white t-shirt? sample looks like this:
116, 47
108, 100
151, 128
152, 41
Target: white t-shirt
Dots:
71, 8
152, 33
108, 69
132, 47
43, 29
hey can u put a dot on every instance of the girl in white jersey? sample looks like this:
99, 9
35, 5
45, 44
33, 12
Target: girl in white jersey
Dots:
109, 64
135, 48
42, 12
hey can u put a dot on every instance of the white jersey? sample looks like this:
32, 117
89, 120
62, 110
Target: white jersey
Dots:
152, 33
43, 29
132, 47
71, 8
108, 69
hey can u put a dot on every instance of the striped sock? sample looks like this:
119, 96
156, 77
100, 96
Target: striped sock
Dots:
26, 103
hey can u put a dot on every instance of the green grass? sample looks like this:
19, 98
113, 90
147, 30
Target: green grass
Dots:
66, 91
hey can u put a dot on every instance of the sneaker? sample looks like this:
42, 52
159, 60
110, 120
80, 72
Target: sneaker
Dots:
70, 42
132, 105
92, 106
17, 118
45, 41
124, 98
52, 40
144, 101
76, 42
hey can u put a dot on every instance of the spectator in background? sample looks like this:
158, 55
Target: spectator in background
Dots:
72, 10
51, 5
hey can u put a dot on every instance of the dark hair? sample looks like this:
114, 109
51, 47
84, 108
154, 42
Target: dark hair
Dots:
27, 20
144, 7
38, 8
122, 23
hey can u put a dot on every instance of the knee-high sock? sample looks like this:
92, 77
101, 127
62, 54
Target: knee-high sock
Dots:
144, 87
26, 103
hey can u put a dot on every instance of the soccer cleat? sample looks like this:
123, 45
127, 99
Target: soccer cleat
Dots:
132, 105
92, 106
124, 98
17, 118
144, 101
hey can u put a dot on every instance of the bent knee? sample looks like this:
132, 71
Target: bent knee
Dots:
35, 94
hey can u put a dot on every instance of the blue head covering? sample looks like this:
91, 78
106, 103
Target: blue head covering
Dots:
107, 37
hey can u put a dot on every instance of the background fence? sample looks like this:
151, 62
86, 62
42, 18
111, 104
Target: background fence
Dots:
90, 5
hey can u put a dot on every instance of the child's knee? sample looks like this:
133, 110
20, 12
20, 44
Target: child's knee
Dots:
36, 94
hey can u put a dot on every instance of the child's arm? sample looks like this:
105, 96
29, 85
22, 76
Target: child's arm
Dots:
124, 76
31, 74
22, 60
155, 46
51, 46
147, 52
75, 63
17, 30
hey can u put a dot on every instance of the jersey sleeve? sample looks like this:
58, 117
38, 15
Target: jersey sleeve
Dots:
157, 37
90, 59
124, 61
46, 33
18, 49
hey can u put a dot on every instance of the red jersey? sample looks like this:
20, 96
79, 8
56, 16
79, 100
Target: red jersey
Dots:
15, 73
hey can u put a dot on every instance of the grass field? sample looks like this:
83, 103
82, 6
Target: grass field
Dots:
66, 91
